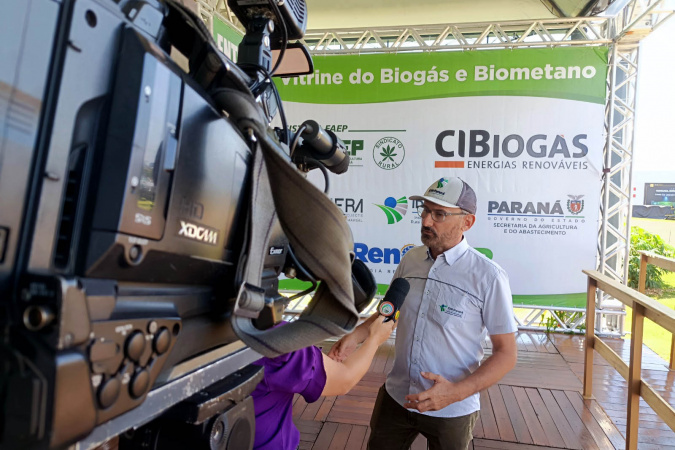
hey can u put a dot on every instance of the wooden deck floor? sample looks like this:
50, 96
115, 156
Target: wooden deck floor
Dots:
538, 405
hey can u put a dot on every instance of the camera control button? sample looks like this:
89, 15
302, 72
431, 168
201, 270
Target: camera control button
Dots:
139, 383
135, 345
162, 341
152, 327
108, 392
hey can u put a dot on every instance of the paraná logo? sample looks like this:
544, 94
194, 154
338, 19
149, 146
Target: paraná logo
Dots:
575, 205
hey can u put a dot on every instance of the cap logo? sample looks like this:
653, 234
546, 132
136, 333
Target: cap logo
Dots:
441, 182
435, 191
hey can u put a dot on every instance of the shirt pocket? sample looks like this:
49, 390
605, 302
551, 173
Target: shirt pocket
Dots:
455, 311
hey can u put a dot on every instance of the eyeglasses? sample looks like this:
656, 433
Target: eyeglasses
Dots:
437, 216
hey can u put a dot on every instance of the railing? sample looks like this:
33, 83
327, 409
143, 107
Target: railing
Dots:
533, 321
642, 306
664, 263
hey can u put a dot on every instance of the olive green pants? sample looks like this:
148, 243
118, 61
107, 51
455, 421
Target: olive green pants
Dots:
395, 428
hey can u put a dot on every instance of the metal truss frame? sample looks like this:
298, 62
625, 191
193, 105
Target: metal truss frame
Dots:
626, 22
634, 21
470, 36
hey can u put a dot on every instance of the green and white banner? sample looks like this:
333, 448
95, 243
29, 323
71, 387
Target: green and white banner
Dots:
227, 38
523, 127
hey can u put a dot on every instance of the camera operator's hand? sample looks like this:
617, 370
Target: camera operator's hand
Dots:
380, 330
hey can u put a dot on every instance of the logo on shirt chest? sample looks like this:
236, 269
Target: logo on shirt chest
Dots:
451, 311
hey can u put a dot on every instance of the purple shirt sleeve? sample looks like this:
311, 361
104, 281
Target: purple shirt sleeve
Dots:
300, 372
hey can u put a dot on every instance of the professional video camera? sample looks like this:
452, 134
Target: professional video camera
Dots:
146, 214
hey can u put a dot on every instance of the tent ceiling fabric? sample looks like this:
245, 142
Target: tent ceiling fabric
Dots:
576, 8
331, 14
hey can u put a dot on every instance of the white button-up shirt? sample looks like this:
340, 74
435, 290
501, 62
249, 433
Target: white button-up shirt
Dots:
452, 303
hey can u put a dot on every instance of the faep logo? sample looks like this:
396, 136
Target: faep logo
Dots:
388, 153
198, 233
394, 209
379, 255
575, 205
354, 147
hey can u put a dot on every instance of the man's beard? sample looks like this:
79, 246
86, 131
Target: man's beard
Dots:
428, 238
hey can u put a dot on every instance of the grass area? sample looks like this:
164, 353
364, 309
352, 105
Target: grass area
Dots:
655, 337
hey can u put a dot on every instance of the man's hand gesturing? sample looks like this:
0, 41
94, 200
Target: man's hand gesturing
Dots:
440, 395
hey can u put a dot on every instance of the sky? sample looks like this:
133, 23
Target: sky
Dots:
654, 146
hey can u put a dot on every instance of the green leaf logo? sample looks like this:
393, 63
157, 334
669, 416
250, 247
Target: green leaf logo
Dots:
388, 153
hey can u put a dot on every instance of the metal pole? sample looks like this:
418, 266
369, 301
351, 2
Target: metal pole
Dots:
606, 177
626, 259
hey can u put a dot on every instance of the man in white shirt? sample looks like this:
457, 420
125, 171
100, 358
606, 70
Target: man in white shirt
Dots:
456, 297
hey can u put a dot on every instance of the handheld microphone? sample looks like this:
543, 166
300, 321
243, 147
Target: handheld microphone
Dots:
393, 300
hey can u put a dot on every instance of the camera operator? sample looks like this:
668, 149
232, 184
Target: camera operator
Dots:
312, 374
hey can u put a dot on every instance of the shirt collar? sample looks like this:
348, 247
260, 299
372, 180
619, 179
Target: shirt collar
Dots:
451, 255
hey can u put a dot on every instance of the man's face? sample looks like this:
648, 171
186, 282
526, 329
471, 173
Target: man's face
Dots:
441, 236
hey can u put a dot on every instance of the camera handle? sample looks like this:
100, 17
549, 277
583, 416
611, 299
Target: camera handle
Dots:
316, 229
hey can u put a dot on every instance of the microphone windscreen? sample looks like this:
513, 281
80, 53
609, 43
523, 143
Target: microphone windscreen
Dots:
397, 291
393, 299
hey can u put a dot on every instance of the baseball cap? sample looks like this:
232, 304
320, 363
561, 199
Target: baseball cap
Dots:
450, 192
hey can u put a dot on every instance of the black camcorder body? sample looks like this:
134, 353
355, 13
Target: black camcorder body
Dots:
125, 195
